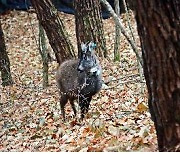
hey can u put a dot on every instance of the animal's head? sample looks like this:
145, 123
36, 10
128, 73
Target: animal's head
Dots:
88, 61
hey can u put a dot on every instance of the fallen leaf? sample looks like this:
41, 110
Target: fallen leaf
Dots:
142, 107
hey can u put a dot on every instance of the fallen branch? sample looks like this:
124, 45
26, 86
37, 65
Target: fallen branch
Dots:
127, 76
125, 82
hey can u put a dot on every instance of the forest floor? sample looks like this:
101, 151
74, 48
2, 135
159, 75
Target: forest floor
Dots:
30, 117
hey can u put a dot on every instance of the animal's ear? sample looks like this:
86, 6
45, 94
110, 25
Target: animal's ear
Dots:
92, 46
83, 47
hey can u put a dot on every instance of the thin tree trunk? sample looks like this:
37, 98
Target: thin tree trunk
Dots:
159, 29
89, 26
4, 62
44, 55
117, 34
55, 30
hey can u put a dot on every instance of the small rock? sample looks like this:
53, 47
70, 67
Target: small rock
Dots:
113, 130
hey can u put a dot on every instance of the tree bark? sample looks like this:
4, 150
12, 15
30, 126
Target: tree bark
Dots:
4, 62
55, 30
89, 26
159, 29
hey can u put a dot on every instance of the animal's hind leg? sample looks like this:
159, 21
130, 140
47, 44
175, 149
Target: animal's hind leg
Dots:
73, 106
63, 101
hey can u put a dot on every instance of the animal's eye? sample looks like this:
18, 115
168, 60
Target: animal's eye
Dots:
85, 57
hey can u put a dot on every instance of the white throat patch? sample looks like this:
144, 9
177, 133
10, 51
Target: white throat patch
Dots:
95, 69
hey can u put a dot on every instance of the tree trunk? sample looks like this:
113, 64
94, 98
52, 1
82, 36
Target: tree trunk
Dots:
159, 29
44, 55
4, 62
89, 26
117, 33
55, 30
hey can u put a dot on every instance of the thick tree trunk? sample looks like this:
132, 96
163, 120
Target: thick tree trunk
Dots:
4, 62
159, 29
89, 26
55, 30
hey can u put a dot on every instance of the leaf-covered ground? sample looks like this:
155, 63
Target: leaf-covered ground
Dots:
30, 117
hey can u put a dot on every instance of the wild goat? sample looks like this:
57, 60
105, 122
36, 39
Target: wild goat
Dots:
79, 79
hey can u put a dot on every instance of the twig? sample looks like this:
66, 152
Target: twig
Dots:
124, 83
129, 75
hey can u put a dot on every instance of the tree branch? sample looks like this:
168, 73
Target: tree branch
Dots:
118, 22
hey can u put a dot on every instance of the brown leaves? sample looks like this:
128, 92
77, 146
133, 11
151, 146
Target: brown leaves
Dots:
142, 107
30, 118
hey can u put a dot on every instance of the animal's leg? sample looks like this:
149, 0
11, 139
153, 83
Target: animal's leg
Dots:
63, 101
84, 105
88, 100
73, 106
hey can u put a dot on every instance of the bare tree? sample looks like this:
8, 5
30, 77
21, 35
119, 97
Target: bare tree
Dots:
4, 62
89, 26
159, 29
55, 30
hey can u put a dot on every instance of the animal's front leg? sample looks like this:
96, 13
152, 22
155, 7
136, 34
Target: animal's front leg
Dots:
84, 105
